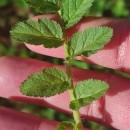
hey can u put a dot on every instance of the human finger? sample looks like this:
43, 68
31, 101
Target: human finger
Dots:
116, 53
14, 120
113, 109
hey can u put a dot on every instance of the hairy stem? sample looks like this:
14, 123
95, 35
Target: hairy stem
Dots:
76, 114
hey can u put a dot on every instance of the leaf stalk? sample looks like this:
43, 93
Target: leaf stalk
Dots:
76, 114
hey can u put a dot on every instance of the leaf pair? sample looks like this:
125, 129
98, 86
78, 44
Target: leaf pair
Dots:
49, 33
71, 10
52, 81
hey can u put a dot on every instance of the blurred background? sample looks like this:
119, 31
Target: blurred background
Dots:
13, 11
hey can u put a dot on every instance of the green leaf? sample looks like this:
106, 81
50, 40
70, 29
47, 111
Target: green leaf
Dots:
89, 41
65, 124
73, 10
87, 91
49, 82
43, 31
43, 6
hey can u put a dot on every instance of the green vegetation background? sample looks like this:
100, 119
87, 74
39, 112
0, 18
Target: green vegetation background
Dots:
13, 11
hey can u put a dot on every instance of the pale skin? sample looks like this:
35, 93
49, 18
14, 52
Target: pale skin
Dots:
112, 110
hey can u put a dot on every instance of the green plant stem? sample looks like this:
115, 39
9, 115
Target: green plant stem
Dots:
76, 114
